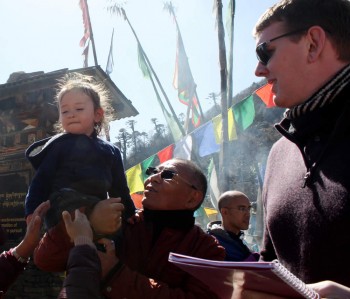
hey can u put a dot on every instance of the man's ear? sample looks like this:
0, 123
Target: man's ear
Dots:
223, 211
195, 197
317, 39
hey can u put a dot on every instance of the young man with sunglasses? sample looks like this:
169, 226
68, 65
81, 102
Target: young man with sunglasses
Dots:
234, 207
303, 51
140, 267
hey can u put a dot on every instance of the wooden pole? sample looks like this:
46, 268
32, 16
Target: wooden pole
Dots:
223, 177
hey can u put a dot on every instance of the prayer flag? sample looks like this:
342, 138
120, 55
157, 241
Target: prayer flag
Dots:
137, 199
134, 179
183, 148
217, 122
266, 95
171, 122
244, 112
184, 83
86, 22
145, 164
86, 55
199, 212
214, 190
110, 62
205, 139
232, 133
142, 62
166, 153
210, 211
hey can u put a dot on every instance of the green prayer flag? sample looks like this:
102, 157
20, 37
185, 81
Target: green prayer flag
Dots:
142, 62
244, 112
145, 164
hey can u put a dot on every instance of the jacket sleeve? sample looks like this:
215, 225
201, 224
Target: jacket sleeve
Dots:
119, 186
41, 184
53, 250
84, 272
131, 284
10, 269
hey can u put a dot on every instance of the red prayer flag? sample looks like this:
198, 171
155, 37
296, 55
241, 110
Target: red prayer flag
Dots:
166, 153
86, 22
266, 95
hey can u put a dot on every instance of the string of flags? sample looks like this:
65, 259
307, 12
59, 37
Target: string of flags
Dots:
203, 141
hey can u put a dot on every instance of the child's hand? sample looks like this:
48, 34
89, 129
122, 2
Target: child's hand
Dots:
138, 217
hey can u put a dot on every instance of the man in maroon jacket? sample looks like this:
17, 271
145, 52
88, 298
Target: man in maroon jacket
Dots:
141, 269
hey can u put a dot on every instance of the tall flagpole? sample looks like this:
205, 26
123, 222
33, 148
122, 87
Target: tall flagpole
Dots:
223, 71
155, 76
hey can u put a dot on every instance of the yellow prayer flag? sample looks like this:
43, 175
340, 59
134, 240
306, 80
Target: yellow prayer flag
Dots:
210, 211
217, 124
134, 179
232, 133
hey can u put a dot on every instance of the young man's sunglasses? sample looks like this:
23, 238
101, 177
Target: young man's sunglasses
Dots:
167, 174
264, 54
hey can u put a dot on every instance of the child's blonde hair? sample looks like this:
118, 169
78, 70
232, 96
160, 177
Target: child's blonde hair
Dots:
89, 86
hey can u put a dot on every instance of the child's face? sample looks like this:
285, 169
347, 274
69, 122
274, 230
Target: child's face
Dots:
77, 113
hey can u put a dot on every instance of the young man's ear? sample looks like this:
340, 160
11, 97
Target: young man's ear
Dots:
317, 39
223, 211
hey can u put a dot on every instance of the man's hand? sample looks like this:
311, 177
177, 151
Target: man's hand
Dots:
108, 259
331, 289
32, 237
78, 228
246, 294
239, 292
105, 218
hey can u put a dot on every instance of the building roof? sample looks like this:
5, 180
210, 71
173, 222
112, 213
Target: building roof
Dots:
21, 83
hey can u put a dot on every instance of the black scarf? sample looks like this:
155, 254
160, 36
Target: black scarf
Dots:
176, 219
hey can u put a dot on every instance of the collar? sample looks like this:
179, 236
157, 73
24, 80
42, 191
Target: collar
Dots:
238, 236
176, 219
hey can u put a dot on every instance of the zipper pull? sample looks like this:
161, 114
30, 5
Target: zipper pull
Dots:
306, 179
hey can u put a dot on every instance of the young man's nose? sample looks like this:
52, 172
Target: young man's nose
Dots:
260, 70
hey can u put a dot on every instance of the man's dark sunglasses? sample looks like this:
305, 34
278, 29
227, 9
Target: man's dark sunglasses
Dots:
167, 174
164, 174
264, 54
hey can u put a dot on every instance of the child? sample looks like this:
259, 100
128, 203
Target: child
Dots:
74, 168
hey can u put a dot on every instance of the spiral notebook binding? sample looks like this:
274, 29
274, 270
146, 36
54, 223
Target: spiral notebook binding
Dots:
294, 281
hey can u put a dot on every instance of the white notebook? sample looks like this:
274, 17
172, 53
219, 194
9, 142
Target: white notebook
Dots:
267, 277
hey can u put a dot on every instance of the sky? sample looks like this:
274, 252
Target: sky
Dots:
44, 35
